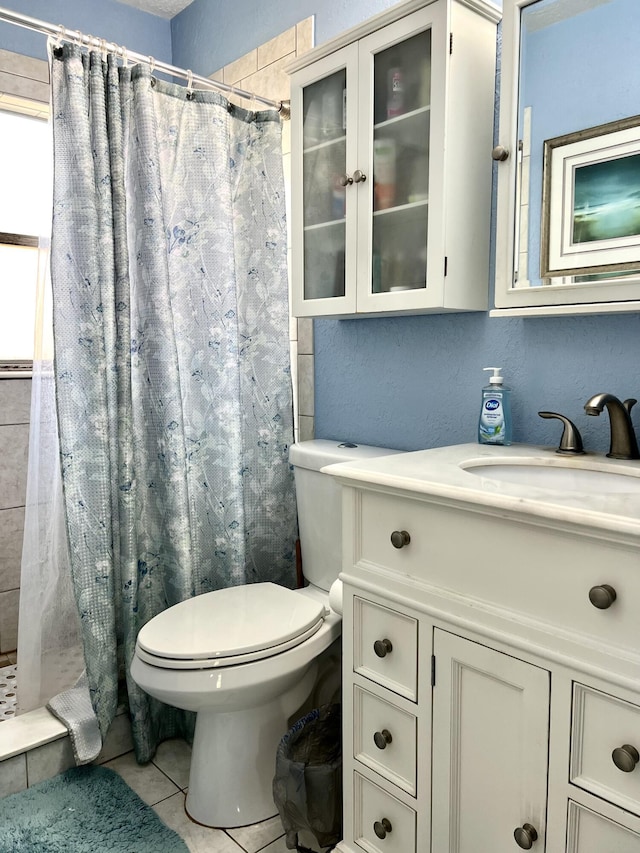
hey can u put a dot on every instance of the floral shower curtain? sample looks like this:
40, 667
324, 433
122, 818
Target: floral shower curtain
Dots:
171, 357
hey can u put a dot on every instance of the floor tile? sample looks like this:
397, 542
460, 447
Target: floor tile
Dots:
199, 839
258, 835
278, 846
173, 757
146, 780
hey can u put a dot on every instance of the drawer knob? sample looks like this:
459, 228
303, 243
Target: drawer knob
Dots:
525, 835
602, 596
382, 827
400, 538
382, 648
625, 757
381, 739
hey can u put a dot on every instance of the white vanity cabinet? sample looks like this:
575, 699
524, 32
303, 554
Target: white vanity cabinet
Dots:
488, 704
391, 163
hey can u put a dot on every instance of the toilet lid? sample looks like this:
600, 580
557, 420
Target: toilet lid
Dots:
238, 624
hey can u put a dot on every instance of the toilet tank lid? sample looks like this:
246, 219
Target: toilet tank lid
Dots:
317, 453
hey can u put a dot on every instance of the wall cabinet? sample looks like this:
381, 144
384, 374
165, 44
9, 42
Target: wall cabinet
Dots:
392, 128
488, 704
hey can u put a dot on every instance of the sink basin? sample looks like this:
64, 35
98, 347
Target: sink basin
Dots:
557, 477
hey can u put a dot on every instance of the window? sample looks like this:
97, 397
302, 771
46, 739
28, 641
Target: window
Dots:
25, 216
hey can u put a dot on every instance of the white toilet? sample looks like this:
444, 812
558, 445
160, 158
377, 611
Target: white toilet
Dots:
245, 658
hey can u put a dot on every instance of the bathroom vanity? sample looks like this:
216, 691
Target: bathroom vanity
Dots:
491, 647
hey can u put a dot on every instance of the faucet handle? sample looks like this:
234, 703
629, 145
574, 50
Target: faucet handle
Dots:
629, 404
571, 440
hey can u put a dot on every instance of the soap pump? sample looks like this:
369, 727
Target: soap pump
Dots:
494, 425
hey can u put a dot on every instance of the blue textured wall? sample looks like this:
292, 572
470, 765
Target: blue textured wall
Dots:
116, 22
205, 40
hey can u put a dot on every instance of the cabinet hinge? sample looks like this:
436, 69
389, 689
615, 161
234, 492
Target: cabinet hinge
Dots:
450, 43
446, 264
433, 670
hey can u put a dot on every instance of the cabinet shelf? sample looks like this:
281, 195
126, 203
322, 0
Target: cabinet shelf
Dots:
401, 208
319, 225
326, 143
389, 122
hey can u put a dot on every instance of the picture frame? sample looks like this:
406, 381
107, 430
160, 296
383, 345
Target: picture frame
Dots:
591, 201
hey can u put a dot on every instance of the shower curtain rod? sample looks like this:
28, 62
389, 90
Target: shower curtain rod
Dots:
65, 34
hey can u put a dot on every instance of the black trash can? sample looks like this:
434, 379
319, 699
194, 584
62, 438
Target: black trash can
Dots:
307, 786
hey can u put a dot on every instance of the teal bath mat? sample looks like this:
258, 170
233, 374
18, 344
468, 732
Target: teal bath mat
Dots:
85, 810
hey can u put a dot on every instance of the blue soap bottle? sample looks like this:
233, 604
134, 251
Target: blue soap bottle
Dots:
494, 424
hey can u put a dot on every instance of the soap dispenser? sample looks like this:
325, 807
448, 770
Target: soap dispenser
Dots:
494, 425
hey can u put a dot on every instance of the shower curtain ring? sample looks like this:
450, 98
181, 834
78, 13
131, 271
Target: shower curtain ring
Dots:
189, 84
61, 33
152, 64
125, 57
103, 49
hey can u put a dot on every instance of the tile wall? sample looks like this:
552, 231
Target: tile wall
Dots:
15, 404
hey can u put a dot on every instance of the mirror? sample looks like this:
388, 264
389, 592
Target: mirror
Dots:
568, 224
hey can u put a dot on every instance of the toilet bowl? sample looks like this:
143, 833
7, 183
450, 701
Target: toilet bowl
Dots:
243, 699
246, 658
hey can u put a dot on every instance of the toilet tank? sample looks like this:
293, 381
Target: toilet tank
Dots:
320, 504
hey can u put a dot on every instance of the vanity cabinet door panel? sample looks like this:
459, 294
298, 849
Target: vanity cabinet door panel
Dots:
601, 726
589, 832
490, 748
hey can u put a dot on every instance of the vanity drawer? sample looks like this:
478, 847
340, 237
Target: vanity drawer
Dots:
604, 726
544, 573
376, 814
385, 739
385, 647
589, 832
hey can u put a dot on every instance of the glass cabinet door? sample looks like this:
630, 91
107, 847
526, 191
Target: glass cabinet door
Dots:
324, 186
400, 145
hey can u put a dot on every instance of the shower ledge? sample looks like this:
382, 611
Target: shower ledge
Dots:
29, 731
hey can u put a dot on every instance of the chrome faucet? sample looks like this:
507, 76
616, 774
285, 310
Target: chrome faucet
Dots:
623, 438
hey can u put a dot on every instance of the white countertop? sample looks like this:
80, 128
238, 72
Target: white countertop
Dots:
440, 473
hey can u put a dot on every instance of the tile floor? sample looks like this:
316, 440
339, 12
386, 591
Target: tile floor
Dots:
162, 784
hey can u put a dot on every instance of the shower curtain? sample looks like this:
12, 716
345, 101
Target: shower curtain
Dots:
171, 357
49, 644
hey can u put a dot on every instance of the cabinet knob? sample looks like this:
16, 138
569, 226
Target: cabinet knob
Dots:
602, 596
525, 835
359, 177
382, 827
625, 757
381, 739
382, 648
500, 153
400, 538
345, 180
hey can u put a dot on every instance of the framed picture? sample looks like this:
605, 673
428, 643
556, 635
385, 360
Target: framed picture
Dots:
591, 201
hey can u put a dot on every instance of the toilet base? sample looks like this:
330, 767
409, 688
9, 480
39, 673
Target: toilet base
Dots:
233, 759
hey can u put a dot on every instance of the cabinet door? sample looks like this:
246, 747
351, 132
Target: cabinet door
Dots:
490, 748
401, 71
323, 213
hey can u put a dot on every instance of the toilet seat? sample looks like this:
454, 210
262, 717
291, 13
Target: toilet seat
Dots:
230, 626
